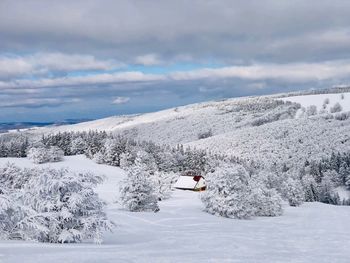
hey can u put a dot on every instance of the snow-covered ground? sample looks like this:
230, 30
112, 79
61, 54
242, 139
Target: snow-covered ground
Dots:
182, 232
318, 100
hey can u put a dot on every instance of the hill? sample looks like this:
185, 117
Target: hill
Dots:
279, 128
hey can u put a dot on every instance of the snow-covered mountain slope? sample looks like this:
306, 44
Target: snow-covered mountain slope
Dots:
289, 141
188, 123
319, 99
265, 129
182, 232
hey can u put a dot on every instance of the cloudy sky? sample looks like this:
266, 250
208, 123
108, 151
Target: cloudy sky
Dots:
96, 58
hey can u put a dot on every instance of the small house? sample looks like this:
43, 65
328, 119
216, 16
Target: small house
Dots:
191, 181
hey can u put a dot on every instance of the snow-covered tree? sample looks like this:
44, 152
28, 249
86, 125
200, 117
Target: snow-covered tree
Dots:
13, 145
344, 172
18, 221
45, 154
78, 146
267, 202
228, 193
69, 209
12, 177
310, 187
98, 158
37, 155
163, 182
55, 154
137, 191
327, 193
311, 110
113, 148
147, 160
8, 216
336, 108
292, 191
265, 199
126, 160
347, 181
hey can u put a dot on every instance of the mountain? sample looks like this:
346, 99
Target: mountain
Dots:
13, 126
285, 128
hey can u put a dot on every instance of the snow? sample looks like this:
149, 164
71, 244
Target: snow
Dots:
182, 232
318, 100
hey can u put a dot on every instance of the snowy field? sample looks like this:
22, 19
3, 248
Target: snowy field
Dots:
318, 100
181, 232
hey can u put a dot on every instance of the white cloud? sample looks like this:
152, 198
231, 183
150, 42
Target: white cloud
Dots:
14, 66
37, 102
291, 73
148, 60
88, 80
46, 63
70, 62
121, 100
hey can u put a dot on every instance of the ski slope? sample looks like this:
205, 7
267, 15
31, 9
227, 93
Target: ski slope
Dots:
182, 232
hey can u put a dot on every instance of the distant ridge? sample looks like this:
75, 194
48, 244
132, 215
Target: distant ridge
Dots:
7, 126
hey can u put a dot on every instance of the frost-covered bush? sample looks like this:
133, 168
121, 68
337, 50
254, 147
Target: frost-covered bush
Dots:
45, 154
293, 192
228, 193
311, 110
8, 217
71, 210
18, 221
336, 108
12, 177
137, 191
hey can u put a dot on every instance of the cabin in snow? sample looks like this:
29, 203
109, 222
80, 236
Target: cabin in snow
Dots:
191, 181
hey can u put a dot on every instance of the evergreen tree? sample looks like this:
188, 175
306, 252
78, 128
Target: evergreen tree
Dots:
266, 201
78, 146
137, 192
164, 182
228, 193
292, 191
310, 187
327, 193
